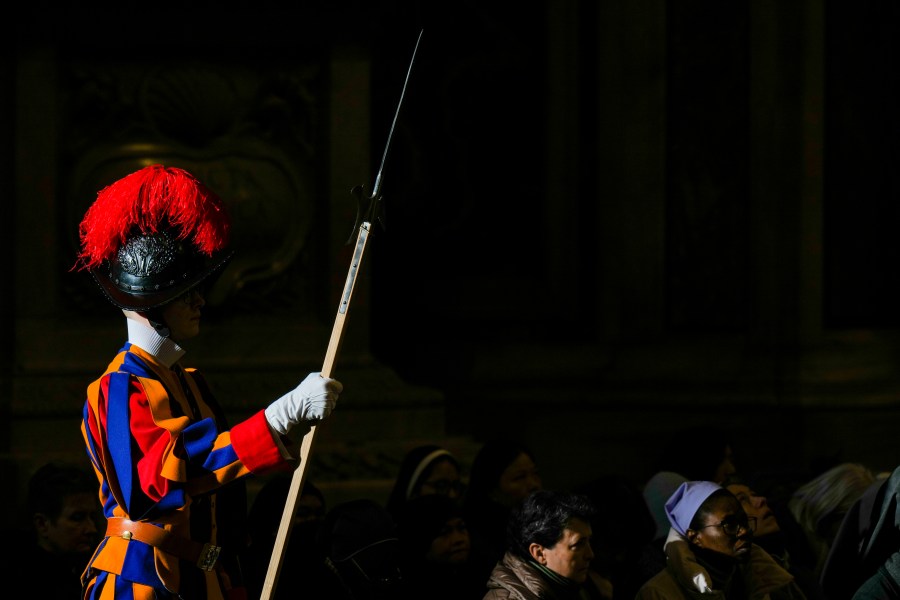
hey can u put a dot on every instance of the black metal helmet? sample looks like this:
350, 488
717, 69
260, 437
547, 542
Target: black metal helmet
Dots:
152, 236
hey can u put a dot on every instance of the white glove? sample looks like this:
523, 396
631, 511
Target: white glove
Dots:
312, 400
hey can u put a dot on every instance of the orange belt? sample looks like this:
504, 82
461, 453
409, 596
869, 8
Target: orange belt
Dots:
203, 555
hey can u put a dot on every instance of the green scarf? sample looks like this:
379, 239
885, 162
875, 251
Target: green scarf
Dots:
563, 587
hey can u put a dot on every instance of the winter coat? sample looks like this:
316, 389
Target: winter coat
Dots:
517, 579
867, 545
684, 578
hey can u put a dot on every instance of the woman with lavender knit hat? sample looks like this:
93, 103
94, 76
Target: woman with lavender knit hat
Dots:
710, 551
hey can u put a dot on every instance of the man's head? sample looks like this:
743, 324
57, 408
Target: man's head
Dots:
554, 529
63, 505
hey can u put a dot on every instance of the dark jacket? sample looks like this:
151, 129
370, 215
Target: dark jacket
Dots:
517, 579
867, 544
685, 578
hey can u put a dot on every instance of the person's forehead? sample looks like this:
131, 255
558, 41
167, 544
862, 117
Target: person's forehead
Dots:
740, 488
522, 462
81, 498
80, 502
577, 527
444, 469
310, 500
724, 506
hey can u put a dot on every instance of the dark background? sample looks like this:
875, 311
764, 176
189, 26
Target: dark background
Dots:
603, 223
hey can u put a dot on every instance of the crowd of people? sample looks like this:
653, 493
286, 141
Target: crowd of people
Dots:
490, 530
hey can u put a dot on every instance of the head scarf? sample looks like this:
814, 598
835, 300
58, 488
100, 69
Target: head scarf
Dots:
415, 464
683, 504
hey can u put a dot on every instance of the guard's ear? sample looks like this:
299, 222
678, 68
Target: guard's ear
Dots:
537, 553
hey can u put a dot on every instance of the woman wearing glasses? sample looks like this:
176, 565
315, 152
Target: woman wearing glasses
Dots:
425, 470
710, 550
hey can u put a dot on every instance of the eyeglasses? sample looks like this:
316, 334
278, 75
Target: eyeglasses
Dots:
733, 525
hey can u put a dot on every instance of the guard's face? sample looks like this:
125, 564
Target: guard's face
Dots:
182, 315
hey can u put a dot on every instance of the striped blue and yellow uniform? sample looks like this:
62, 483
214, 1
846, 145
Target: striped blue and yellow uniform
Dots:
163, 454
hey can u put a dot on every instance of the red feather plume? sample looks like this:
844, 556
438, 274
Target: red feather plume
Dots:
152, 198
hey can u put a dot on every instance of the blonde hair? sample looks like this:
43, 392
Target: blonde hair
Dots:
831, 493
823, 501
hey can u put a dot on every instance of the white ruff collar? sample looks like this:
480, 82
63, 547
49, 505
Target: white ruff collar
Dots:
162, 349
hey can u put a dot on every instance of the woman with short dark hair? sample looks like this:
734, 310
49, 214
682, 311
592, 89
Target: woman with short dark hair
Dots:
549, 550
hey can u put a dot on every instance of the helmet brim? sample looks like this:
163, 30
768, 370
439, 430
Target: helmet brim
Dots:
147, 300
